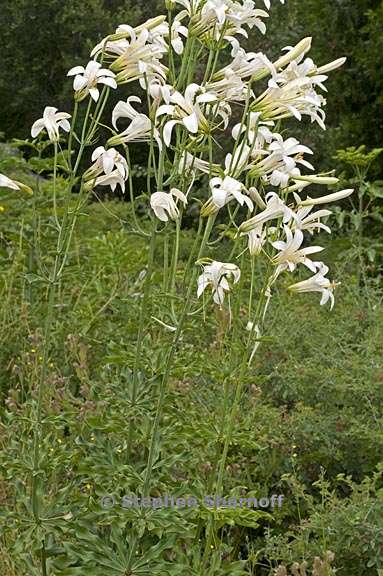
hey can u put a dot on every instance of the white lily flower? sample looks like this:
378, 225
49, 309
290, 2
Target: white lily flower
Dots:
287, 148
177, 32
292, 99
105, 161
51, 122
278, 162
135, 53
256, 240
125, 110
6, 182
139, 130
112, 179
189, 161
311, 222
224, 190
216, 275
86, 80
275, 208
318, 283
236, 163
164, 204
245, 64
292, 91
244, 14
110, 168
159, 91
186, 110
231, 88
211, 16
291, 254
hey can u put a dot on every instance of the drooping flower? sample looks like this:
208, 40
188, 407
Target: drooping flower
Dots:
226, 189
51, 122
189, 162
139, 130
216, 275
318, 283
125, 110
113, 179
86, 80
109, 169
178, 32
291, 254
105, 161
244, 64
311, 222
231, 88
258, 133
237, 162
256, 240
164, 204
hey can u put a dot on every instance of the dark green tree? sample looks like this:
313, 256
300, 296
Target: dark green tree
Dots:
40, 41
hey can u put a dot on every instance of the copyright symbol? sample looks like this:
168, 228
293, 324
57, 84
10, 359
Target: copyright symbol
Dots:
108, 501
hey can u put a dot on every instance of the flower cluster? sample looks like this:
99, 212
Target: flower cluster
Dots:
262, 182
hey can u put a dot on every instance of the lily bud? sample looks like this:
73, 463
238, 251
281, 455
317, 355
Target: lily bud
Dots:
331, 66
301, 48
150, 24
325, 180
255, 195
208, 209
329, 198
24, 187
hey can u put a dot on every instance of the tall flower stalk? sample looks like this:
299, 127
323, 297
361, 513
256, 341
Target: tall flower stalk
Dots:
254, 203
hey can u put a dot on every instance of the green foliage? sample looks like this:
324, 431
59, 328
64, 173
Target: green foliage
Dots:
312, 402
364, 221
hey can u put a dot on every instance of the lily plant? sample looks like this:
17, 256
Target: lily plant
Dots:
255, 205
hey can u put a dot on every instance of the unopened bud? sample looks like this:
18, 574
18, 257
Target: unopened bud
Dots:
325, 180
331, 66
301, 48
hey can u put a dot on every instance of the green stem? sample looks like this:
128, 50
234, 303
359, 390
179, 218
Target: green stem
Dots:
233, 415
54, 187
60, 258
174, 264
164, 385
140, 335
169, 363
70, 141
